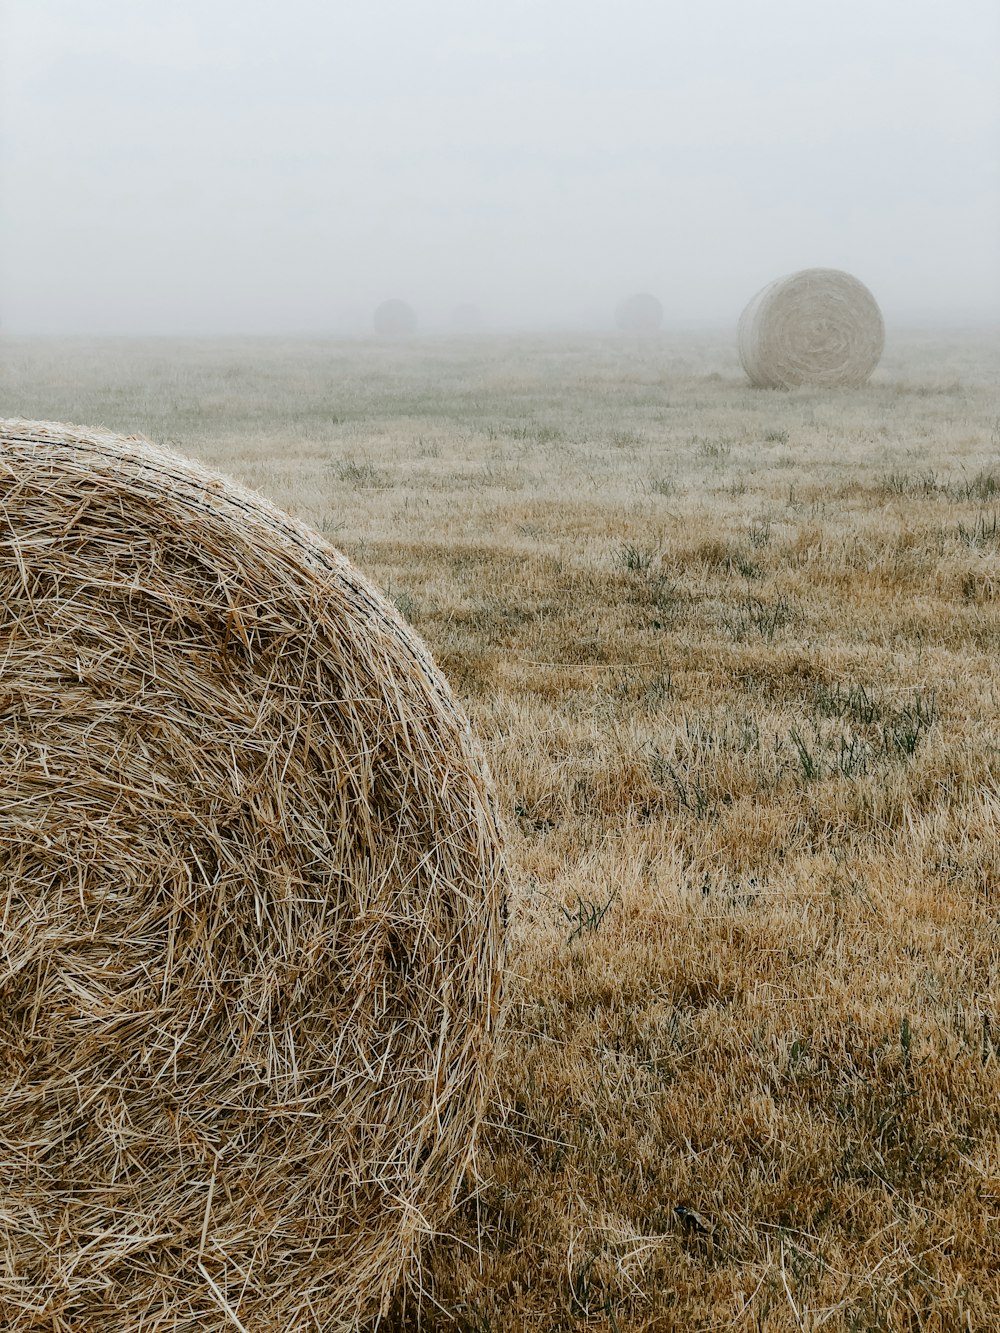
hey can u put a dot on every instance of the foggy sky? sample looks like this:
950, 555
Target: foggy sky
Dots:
226, 166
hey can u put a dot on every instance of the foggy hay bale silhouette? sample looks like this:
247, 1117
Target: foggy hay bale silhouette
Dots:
254, 906
395, 319
641, 313
819, 326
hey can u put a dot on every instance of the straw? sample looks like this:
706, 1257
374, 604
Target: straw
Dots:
253, 901
819, 326
641, 313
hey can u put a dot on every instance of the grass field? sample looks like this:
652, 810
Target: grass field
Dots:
734, 657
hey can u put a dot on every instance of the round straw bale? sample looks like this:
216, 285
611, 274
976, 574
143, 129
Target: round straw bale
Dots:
641, 313
395, 319
253, 908
819, 326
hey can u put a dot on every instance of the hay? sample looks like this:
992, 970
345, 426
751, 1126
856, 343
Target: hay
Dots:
395, 319
641, 313
819, 326
253, 908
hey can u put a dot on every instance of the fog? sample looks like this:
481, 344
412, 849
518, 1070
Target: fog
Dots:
234, 166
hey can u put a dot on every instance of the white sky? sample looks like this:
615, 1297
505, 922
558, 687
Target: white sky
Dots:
173, 166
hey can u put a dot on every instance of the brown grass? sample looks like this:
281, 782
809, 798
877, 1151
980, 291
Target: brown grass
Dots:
734, 658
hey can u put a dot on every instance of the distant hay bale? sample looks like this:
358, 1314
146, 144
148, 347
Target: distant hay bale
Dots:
253, 908
819, 326
395, 319
641, 313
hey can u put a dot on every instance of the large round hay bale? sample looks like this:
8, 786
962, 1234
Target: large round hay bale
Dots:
395, 319
819, 326
641, 313
253, 908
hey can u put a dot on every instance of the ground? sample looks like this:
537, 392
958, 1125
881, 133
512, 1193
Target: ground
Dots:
733, 657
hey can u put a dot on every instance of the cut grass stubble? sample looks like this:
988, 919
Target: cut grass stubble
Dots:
746, 743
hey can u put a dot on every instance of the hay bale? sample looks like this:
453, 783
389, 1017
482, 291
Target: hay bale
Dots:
641, 313
819, 326
395, 319
253, 907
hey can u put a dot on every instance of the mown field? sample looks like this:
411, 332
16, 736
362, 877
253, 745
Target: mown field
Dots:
734, 658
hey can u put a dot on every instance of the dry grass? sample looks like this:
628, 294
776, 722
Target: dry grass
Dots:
734, 655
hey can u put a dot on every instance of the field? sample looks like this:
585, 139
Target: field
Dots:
734, 657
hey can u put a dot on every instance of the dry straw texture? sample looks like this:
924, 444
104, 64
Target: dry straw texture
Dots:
819, 326
253, 906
